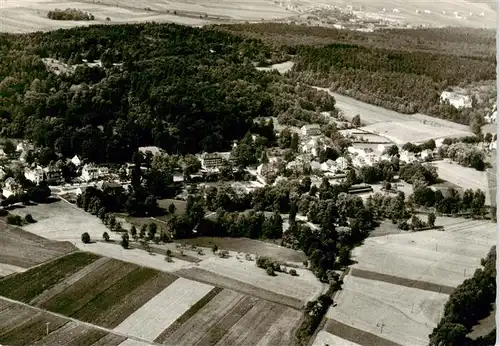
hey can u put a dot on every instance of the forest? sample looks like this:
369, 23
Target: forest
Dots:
402, 70
189, 90
183, 89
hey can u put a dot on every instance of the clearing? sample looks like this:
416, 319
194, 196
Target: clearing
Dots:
251, 246
408, 315
465, 177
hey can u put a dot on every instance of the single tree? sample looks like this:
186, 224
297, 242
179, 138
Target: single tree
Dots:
143, 232
431, 219
152, 229
215, 248
86, 238
29, 218
356, 121
292, 272
171, 208
105, 236
125, 241
133, 232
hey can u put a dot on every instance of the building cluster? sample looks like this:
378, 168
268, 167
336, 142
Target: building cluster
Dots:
456, 99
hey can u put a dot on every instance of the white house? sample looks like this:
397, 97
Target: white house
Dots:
491, 119
493, 145
407, 157
329, 166
342, 163
24, 146
456, 100
76, 161
424, 154
311, 130
89, 172
34, 174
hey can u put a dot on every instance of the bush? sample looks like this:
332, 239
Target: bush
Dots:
14, 220
293, 272
86, 238
223, 253
270, 271
105, 236
29, 219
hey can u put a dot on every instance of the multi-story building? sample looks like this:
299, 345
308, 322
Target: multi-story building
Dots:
53, 173
35, 174
311, 130
211, 161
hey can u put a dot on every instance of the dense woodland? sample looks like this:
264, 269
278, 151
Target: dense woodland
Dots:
183, 89
469, 303
166, 84
403, 70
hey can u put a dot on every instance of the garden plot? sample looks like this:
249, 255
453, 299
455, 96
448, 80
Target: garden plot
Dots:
303, 287
441, 257
400, 314
324, 338
161, 311
72, 333
465, 177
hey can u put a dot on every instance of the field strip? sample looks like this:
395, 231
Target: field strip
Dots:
188, 314
110, 340
132, 342
224, 324
241, 329
114, 305
197, 326
396, 280
254, 325
404, 315
75, 297
33, 308
58, 288
161, 311
239, 286
357, 336
72, 333
324, 338
277, 334
7, 269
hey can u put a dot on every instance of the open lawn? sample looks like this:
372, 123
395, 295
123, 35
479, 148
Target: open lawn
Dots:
20, 249
180, 206
245, 245
64, 222
408, 315
466, 178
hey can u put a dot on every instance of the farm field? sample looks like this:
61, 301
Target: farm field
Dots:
303, 287
19, 16
414, 131
138, 305
23, 325
324, 337
441, 257
21, 249
408, 315
149, 321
